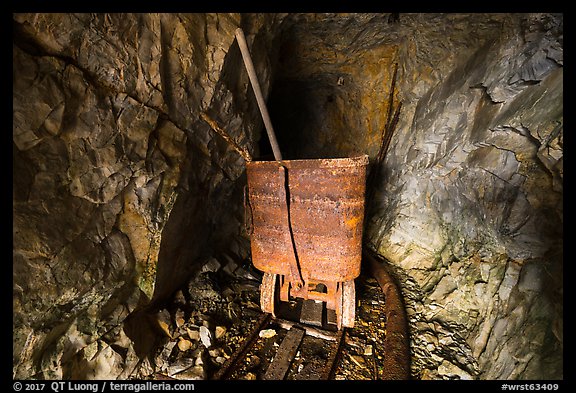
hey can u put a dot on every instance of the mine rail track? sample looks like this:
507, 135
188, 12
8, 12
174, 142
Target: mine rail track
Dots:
282, 364
279, 360
303, 345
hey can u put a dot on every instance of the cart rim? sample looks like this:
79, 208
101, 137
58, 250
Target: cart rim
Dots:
343, 162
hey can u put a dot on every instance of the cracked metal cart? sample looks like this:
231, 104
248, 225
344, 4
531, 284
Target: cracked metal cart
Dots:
307, 219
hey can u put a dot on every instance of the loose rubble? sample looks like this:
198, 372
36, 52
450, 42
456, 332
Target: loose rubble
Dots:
200, 334
363, 350
204, 323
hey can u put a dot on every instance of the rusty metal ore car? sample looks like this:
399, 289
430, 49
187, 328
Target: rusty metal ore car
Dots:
307, 220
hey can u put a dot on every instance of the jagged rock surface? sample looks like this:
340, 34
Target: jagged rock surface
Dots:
468, 207
119, 185
118, 182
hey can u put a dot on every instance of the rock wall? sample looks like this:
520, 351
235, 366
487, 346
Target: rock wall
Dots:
472, 208
468, 208
121, 190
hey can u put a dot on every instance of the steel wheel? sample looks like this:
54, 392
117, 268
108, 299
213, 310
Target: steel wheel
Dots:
268, 293
348, 304
339, 305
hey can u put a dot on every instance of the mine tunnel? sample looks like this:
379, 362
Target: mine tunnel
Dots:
132, 228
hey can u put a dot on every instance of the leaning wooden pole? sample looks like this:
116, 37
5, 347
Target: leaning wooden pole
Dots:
258, 92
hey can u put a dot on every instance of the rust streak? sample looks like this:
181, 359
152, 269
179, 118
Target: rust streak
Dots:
220, 131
